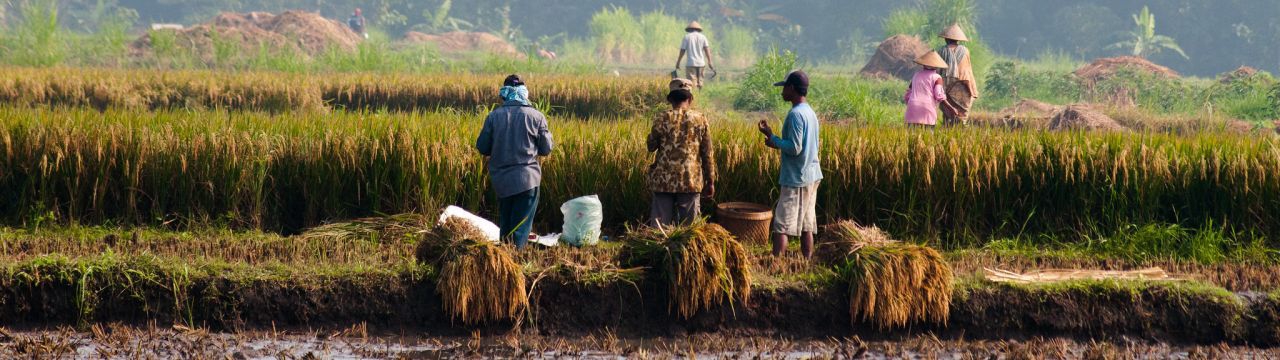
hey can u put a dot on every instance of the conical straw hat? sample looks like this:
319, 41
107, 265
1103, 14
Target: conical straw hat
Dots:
694, 25
954, 32
932, 59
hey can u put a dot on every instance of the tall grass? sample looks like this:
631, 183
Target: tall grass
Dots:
287, 172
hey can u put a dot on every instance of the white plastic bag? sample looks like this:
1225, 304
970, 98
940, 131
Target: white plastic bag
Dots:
582, 219
487, 227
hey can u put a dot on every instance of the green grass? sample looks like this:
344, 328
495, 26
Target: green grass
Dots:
1145, 244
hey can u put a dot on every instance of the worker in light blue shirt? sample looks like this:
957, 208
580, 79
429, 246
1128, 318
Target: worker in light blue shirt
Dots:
796, 213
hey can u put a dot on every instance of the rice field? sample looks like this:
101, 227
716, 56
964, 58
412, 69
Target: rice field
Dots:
581, 96
288, 172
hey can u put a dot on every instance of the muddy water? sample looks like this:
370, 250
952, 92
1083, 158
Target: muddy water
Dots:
122, 342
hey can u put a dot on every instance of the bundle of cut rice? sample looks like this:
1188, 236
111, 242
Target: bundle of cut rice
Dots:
702, 264
891, 284
478, 281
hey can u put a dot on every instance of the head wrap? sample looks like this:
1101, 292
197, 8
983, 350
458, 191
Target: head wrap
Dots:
517, 93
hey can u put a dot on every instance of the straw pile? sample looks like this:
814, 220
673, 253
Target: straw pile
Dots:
891, 284
478, 281
895, 58
1104, 68
703, 265
1083, 117
386, 229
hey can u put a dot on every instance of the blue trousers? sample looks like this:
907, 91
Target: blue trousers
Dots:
515, 216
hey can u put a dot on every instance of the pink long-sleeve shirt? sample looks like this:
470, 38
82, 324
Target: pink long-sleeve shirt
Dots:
923, 97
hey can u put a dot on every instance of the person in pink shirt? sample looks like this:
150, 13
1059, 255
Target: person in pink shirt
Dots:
926, 91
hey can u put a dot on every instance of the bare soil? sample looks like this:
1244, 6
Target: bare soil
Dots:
463, 42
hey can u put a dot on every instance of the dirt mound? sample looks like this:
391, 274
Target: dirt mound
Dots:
1083, 117
895, 58
1107, 67
301, 32
462, 42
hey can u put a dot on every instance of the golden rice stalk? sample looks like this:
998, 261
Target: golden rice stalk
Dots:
386, 229
838, 241
703, 265
478, 281
891, 284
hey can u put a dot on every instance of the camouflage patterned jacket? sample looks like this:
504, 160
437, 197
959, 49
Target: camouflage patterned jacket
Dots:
684, 160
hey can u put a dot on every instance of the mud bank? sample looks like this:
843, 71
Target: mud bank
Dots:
50, 294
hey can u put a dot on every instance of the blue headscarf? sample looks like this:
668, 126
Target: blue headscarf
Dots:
515, 93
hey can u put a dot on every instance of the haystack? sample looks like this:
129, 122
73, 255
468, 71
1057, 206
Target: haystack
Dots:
299, 32
1083, 117
1104, 68
702, 264
1028, 113
463, 42
1241, 73
895, 58
478, 281
891, 284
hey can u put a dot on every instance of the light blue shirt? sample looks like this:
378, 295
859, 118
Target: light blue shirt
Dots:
799, 147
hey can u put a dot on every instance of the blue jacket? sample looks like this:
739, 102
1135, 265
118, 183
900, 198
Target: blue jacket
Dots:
513, 138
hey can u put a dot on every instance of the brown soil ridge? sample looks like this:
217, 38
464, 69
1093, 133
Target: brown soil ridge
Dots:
457, 42
301, 32
895, 58
1104, 68
564, 307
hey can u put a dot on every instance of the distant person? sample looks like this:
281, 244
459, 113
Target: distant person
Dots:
926, 91
695, 45
800, 172
356, 22
958, 80
514, 136
684, 164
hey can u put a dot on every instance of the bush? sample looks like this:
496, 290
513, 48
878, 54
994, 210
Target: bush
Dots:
757, 92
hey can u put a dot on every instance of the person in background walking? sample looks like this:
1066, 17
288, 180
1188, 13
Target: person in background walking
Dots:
514, 136
695, 45
925, 92
356, 22
684, 163
958, 80
800, 172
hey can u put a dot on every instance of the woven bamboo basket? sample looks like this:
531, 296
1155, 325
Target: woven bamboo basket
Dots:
746, 221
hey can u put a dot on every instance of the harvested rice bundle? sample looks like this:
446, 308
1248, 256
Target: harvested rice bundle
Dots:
392, 228
891, 284
478, 280
703, 265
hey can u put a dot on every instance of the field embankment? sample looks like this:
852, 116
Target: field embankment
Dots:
581, 96
286, 173
570, 299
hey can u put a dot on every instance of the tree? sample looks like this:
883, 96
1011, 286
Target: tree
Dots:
1144, 41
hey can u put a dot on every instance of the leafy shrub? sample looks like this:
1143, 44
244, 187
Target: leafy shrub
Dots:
757, 92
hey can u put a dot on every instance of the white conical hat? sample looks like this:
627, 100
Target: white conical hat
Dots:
932, 59
954, 32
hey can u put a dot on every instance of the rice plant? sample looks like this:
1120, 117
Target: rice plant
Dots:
891, 284
478, 281
702, 265
288, 172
